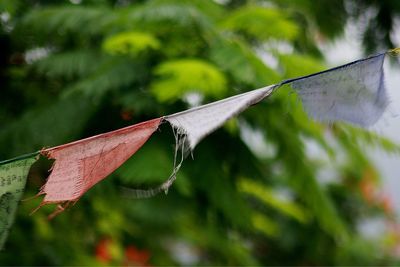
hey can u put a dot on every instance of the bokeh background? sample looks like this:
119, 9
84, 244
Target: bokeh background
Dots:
272, 187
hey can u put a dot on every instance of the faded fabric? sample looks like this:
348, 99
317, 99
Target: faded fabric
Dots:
12, 184
192, 125
81, 164
198, 122
354, 92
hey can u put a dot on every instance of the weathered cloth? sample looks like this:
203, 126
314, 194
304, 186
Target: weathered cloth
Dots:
354, 92
13, 175
198, 122
81, 164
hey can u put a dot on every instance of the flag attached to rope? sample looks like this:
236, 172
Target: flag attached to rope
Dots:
192, 125
198, 122
13, 175
80, 165
354, 92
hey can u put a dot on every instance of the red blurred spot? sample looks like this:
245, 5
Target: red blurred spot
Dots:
387, 204
367, 188
102, 251
127, 115
136, 257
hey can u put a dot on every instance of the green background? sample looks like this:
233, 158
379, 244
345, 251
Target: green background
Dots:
253, 194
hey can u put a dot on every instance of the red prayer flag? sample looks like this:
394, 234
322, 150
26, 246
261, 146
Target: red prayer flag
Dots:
80, 165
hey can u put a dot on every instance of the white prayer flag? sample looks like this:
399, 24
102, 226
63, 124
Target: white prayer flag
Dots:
194, 124
198, 122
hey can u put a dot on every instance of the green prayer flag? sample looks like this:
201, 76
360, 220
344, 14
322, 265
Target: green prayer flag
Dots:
13, 175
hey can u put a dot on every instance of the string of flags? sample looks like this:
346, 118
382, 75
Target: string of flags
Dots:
354, 93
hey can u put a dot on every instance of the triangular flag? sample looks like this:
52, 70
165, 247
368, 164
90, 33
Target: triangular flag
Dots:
13, 175
354, 92
80, 165
194, 124
198, 122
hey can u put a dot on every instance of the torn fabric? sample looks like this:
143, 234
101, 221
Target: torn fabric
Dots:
198, 122
80, 165
13, 175
180, 140
354, 92
192, 125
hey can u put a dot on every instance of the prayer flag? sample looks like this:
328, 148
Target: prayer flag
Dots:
194, 124
80, 165
354, 92
198, 122
13, 175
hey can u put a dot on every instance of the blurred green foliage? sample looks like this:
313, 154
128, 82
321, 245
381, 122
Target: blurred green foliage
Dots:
74, 69
178, 77
261, 24
130, 43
